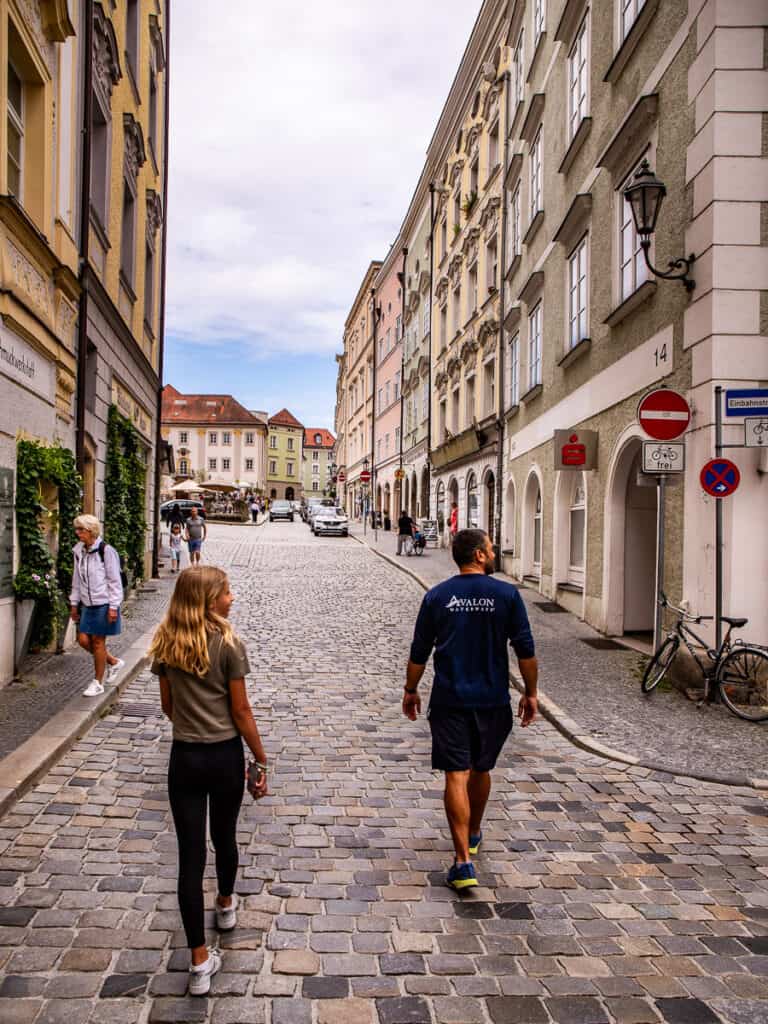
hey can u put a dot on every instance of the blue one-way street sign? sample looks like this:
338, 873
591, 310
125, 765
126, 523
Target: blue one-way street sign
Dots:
746, 402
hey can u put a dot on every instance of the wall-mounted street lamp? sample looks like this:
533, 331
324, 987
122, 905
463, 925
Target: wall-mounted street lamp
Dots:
645, 195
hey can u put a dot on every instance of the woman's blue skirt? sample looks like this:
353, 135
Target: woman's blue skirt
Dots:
93, 621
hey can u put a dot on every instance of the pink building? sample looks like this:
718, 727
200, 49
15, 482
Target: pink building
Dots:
388, 384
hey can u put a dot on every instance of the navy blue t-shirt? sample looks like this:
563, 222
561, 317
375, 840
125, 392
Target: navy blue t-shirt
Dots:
468, 620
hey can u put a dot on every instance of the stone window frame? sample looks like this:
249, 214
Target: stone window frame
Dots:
249, 437
212, 464
513, 362
16, 121
535, 322
579, 103
213, 438
249, 465
582, 245
226, 465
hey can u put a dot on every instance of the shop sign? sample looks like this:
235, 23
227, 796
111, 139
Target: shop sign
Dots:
25, 366
575, 449
132, 409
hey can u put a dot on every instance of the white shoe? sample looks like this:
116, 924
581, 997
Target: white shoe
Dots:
226, 917
200, 976
93, 689
114, 670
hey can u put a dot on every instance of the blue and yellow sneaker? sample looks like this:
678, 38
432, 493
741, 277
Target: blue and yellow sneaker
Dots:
462, 876
474, 843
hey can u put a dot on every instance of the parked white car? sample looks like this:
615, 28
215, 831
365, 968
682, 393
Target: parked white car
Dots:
328, 522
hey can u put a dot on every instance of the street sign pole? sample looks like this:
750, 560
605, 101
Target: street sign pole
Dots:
661, 500
718, 522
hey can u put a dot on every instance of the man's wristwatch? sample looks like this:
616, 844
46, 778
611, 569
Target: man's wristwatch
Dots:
414, 690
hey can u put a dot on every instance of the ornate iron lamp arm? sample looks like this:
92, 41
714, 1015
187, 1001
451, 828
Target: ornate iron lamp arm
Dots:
684, 264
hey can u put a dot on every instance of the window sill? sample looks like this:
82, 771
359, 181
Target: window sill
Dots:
494, 171
573, 354
132, 78
575, 145
512, 411
515, 116
533, 228
98, 228
628, 47
513, 266
530, 578
646, 291
536, 54
127, 287
532, 393
571, 588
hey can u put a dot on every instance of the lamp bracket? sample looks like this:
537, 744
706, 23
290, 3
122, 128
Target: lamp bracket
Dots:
684, 263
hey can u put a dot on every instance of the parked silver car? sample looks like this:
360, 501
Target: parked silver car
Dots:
324, 504
330, 522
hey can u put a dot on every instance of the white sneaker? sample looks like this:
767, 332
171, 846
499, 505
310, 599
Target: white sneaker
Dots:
200, 976
114, 670
226, 917
93, 689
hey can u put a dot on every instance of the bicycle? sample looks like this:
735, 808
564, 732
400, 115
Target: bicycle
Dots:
739, 670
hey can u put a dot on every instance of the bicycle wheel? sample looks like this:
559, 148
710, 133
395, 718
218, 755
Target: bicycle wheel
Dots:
742, 680
659, 663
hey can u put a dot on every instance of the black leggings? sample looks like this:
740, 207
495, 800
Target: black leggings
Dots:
196, 772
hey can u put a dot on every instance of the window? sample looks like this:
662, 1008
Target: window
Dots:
318, 438
397, 439
473, 288
456, 310
577, 294
183, 437
455, 411
514, 371
443, 237
491, 265
381, 348
289, 468
315, 456
629, 12
443, 327
226, 437
535, 191
515, 225
378, 450
272, 466
578, 78
469, 405
473, 516
128, 238
273, 440
315, 485
99, 162
425, 400
149, 288
577, 532
15, 164
457, 209
632, 269
213, 438
489, 387
519, 69
226, 464
212, 464
132, 36
249, 436
398, 329
380, 399
290, 444
537, 534
425, 320
538, 21
152, 131
330, 456
474, 178
534, 347
397, 387
249, 465
442, 423
493, 147
315, 469
183, 467
386, 394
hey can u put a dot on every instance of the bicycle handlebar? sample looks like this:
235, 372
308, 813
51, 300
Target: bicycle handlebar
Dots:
682, 612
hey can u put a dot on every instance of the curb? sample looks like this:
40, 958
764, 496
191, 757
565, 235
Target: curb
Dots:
27, 764
573, 731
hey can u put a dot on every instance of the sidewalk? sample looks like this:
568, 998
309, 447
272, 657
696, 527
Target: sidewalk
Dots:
593, 696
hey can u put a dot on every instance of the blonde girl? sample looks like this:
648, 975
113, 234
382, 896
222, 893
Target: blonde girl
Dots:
202, 667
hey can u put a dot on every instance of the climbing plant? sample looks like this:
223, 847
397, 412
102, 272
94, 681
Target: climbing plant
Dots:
124, 492
42, 576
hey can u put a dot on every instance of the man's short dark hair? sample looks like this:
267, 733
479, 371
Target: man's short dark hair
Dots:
465, 544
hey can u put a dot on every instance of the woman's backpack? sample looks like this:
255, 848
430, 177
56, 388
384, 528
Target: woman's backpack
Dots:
123, 574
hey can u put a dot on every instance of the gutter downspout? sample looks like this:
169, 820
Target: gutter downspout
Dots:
372, 483
85, 221
429, 344
502, 313
161, 325
403, 281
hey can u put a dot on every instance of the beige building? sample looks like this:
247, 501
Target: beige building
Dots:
317, 460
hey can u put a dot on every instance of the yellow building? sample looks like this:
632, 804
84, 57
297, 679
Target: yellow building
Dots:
38, 253
284, 456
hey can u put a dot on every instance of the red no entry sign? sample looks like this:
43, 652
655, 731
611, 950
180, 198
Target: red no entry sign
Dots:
720, 477
365, 476
664, 414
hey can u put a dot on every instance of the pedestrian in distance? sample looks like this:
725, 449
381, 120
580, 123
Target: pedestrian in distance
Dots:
404, 531
176, 516
202, 665
468, 621
254, 506
175, 544
195, 532
453, 520
95, 600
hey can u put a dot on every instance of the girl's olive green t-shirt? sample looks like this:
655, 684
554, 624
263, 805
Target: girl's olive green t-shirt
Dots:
202, 711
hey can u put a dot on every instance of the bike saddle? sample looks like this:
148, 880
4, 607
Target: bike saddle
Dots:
736, 623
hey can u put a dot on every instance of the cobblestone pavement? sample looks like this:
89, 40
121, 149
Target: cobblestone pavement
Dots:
601, 691
609, 894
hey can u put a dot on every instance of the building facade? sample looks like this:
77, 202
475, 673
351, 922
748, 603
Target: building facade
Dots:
284, 456
40, 46
215, 439
316, 462
388, 288
123, 241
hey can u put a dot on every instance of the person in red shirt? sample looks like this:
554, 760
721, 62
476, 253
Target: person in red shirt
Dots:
453, 521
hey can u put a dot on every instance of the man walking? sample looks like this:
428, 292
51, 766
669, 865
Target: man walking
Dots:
468, 620
195, 532
404, 530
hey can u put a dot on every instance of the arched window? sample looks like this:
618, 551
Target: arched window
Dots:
318, 438
473, 517
537, 534
183, 467
577, 532
440, 500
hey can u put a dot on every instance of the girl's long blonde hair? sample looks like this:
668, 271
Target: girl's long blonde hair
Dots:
181, 640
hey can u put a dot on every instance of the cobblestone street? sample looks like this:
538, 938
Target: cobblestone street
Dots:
608, 893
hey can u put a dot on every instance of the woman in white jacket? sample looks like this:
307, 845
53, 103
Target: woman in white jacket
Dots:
97, 593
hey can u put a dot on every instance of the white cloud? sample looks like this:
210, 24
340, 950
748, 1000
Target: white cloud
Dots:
298, 133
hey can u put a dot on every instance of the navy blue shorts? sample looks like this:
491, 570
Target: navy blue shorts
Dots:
194, 545
464, 738
94, 622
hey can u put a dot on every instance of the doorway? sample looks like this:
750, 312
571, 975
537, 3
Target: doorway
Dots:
490, 505
289, 494
640, 514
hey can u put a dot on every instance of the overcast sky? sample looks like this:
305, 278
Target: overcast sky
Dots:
298, 132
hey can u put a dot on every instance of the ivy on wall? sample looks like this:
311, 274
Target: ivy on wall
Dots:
124, 493
41, 576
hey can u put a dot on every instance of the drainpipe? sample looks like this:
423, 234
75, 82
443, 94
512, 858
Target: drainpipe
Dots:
161, 325
429, 344
502, 313
372, 482
403, 281
85, 207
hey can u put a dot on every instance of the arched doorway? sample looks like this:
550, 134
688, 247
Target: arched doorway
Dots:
289, 493
490, 505
273, 493
473, 511
425, 492
533, 523
440, 506
414, 506
387, 501
509, 519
